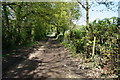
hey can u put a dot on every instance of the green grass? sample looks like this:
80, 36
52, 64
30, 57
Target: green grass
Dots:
70, 47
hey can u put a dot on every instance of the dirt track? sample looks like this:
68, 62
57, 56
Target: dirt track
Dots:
48, 60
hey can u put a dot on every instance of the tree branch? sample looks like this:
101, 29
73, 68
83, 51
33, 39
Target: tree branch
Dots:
81, 4
5, 4
12, 8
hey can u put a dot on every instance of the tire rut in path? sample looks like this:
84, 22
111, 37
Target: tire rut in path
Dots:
51, 60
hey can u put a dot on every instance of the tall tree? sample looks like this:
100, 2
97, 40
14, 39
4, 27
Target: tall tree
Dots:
87, 4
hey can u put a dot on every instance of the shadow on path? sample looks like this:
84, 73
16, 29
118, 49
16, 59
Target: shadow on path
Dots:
51, 60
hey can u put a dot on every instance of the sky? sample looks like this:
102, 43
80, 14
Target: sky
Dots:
94, 14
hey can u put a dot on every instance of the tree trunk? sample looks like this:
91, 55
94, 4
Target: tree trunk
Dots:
6, 17
87, 14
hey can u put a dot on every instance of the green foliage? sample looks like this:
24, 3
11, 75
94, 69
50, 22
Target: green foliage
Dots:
27, 22
70, 47
106, 44
105, 51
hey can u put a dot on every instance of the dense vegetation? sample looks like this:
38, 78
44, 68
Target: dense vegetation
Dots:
101, 41
25, 23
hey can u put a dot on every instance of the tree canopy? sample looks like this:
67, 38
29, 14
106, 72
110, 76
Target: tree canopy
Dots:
25, 22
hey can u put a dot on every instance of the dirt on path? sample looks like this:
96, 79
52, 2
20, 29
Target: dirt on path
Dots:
48, 60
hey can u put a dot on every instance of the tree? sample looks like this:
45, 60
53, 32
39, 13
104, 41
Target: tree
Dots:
87, 4
28, 22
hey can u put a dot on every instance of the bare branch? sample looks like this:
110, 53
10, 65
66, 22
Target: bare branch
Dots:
81, 4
